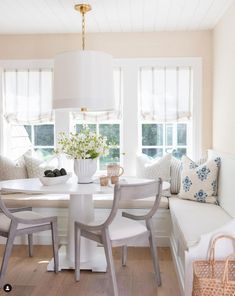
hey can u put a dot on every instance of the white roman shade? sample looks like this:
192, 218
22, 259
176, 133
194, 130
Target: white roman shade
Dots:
165, 93
115, 114
27, 95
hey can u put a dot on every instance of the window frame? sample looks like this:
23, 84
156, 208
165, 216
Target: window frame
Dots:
74, 122
164, 145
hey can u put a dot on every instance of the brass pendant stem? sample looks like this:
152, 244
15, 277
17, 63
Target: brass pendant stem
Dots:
83, 31
83, 8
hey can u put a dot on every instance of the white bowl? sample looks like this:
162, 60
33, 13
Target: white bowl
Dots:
49, 181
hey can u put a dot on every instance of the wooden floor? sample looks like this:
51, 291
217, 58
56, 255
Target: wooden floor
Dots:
29, 277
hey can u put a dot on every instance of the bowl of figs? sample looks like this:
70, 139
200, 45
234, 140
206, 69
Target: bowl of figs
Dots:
55, 177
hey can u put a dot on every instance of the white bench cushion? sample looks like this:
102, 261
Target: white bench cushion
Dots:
191, 219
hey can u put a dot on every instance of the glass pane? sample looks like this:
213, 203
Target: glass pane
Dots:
169, 150
169, 134
153, 152
79, 127
45, 153
114, 156
44, 135
152, 134
179, 152
29, 131
112, 132
182, 134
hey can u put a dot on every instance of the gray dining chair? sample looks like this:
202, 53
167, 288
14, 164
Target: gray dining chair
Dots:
121, 231
15, 222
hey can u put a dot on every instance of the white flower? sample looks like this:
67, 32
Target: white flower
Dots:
85, 144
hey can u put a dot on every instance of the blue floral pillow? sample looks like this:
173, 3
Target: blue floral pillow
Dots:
199, 182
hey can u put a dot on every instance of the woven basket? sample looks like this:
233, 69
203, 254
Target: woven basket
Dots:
214, 277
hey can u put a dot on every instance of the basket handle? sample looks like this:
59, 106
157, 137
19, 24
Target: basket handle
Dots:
212, 248
225, 274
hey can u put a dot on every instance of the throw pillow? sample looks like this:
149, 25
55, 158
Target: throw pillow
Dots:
175, 175
199, 182
150, 168
36, 166
10, 170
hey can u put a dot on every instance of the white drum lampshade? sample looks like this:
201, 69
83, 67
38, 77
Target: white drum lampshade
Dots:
83, 80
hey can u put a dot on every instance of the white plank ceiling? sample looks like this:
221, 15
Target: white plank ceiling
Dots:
59, 16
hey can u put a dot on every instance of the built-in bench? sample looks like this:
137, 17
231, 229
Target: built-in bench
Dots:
57, 204
62, 201
194, 224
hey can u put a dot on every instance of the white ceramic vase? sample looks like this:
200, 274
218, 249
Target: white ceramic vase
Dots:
85, 169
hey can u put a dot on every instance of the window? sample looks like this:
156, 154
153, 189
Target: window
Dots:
39, 137
112, 132
160, 138
165, 110
107, 123
27, 108
158, 109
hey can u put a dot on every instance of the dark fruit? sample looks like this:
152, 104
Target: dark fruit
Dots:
47, 171
57, 173
63, 172
50, 174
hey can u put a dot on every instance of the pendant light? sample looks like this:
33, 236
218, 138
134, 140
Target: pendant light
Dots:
83, 80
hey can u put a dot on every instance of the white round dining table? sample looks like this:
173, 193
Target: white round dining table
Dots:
80, 209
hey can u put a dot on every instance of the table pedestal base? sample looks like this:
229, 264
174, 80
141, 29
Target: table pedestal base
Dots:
96, 264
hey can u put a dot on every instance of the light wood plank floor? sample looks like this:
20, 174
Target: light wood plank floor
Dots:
29, 277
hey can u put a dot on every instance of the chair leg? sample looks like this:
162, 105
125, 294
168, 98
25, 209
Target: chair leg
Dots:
153, 249
77, 241
109, 257
124, 255
54, 234
30, 243
6, 256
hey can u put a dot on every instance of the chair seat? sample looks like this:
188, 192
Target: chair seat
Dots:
122, 228
5, 221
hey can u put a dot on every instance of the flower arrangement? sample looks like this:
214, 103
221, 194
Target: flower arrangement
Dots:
83, 145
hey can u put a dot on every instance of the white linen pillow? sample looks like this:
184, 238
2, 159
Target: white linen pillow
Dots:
199, 182
10, 170
150, 168
36, 166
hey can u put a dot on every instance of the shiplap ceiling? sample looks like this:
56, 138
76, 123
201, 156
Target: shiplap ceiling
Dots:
59, 16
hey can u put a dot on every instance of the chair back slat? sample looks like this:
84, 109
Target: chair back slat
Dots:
139, 191
4, 210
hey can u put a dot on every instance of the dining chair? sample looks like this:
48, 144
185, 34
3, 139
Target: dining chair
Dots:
121, 231
15, 222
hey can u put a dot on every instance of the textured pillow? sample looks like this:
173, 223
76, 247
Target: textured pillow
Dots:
175, 175
10, 170
150, 168
199, 182
36, 166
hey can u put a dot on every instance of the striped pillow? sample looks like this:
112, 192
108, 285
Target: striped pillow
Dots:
175, 175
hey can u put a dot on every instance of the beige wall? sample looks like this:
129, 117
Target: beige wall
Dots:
127, 45
224, 84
